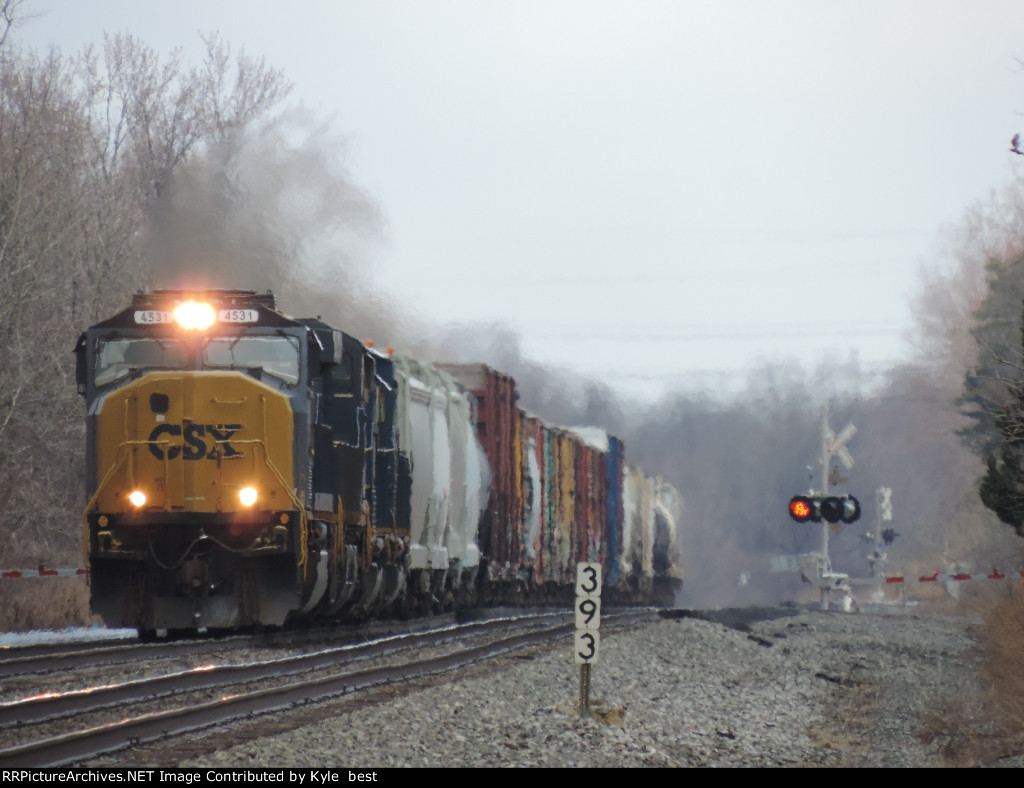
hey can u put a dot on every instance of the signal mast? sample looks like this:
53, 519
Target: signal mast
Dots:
819, 506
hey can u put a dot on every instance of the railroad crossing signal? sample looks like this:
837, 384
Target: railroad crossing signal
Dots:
831, 508
835, 445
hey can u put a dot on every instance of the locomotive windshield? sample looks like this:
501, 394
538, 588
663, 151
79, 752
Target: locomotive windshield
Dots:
278, 355
275, 355
115, 358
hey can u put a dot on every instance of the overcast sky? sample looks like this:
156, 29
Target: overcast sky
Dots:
654, 188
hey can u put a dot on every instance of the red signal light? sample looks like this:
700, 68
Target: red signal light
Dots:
803, 508
817, 507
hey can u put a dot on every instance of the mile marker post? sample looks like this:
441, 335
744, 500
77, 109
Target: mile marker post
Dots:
588, 624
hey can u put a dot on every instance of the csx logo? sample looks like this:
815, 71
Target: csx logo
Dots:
195, 441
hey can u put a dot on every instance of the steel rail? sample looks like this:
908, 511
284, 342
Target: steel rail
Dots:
103, 655
43, 650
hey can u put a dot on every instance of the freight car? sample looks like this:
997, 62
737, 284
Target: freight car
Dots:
245, 468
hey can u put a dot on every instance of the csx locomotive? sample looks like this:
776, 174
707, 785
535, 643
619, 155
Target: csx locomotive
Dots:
250, 469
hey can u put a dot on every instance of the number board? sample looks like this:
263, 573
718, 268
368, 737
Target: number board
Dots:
153, 317
238, 316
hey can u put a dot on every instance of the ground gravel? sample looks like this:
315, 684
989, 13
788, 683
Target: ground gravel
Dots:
805, 688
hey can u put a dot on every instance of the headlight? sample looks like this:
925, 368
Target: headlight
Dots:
137, 497
193, 314
248, 496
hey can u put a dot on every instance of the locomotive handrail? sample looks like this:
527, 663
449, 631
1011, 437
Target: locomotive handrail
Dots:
127, 431
121, 456
270, 464
99, 488
303, 520
114, 466
131, 475
216, 401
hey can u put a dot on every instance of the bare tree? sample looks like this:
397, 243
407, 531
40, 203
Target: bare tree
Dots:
954, 283
86, 145
12, 15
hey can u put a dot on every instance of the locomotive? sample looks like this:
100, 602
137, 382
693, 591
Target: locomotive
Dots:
249, 469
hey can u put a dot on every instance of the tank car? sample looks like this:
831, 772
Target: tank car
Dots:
246, 468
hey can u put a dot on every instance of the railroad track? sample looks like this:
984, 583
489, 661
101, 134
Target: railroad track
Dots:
62, 728
55, 657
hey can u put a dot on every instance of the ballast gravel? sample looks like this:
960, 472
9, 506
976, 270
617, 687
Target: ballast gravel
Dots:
807, 688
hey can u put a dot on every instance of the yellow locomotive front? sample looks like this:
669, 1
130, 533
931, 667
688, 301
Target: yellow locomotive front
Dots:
198, 462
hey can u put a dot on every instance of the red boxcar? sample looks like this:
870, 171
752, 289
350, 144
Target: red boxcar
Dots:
498, 428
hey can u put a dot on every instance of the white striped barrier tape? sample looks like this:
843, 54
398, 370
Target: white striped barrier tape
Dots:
961, 576
10, 574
